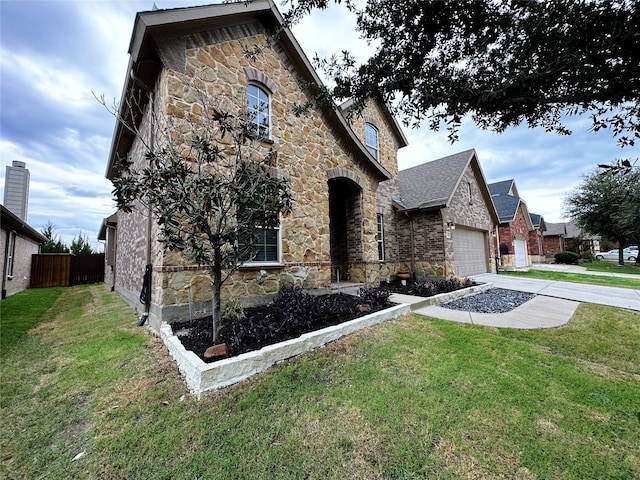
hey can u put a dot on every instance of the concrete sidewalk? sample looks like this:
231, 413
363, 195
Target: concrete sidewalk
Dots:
554, 305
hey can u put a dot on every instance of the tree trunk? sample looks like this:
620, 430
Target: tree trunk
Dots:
216, 287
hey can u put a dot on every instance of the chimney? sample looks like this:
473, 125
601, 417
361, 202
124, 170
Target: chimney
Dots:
16, 189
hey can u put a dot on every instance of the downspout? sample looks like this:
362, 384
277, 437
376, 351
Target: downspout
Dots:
497, 247
6, 265
147, 304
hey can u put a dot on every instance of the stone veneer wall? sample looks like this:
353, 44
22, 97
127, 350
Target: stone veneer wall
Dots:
307, 151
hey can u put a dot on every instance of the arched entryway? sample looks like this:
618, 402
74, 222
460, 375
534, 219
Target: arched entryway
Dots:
345, 226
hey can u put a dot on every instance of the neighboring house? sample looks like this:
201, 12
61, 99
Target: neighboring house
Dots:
536, 238
578, 241
443, 218
334, 167
19, 242
553, 239
515, 224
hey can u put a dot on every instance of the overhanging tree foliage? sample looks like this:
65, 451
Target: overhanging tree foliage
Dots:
607, 204
210, 190
503, 62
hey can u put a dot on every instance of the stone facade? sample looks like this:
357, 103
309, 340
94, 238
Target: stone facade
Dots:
329, 181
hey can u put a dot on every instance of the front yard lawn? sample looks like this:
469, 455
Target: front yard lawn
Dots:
607, 281
410, 398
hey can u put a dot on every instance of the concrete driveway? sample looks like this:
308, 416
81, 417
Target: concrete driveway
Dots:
554, 305
580, 292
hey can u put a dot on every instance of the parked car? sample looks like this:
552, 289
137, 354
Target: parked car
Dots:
629, 255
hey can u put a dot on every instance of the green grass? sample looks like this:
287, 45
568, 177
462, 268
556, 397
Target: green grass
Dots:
590, 279
20, 312
412, 398
612, 267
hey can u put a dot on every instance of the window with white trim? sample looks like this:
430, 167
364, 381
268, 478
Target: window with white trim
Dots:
380, 237
258, 108
10, 254
371, 140
266, 246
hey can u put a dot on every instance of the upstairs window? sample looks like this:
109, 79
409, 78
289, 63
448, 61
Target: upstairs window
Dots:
258, 108
371, 139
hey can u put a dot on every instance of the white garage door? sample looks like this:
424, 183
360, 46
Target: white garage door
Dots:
470, 252
520, 249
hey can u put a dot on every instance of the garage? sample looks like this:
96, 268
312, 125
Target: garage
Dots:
520, 250
470, 252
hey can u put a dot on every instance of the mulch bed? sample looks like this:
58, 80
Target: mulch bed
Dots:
294, 313
339, 308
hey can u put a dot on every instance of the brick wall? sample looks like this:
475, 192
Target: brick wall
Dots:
24, 249
517, 228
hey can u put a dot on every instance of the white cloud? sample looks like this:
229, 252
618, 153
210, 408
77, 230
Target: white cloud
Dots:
60, 83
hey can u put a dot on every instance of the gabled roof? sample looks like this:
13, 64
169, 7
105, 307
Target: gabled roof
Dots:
507, 204
505, 187
152, 28
11, 221
537, 221
433, 184
555, 229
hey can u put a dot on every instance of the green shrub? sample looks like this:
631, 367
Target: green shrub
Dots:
587, 257
569, 258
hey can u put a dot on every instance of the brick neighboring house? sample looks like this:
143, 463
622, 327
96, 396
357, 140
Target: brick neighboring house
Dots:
515, 224
19, 242
578, 241
536, 238
334, 167
553, 239
443, 218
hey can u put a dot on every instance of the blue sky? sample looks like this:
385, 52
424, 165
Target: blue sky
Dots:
56, 55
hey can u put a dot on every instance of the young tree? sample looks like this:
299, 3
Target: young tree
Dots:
503, 62
607, 204
81, 246
212, 188
54, 244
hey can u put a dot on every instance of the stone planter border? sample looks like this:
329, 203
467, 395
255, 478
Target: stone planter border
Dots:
202, 377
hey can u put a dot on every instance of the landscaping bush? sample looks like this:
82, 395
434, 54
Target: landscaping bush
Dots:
587, 257
568, 258
293, 312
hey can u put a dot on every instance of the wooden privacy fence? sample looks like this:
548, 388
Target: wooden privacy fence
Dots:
65, 270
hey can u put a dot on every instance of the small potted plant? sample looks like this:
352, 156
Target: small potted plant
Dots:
403, 275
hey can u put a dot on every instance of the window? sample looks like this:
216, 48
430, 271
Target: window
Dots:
380, 237
266, 246
10, 254
258, 109
469, 193
371, 139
